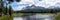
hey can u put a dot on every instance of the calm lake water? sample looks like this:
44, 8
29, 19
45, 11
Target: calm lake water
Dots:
18, 18
36, 17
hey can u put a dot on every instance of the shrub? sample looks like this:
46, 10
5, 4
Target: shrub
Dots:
57, 17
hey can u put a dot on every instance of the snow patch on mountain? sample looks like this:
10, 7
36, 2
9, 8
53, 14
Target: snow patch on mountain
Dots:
43, 3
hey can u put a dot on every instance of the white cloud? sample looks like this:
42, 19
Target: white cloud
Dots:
19, 8
43, 3
26, 2
47, 3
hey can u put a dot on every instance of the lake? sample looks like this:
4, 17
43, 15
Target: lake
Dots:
36, 17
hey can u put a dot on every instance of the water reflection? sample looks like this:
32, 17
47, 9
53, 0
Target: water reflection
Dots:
18, 18
35, 17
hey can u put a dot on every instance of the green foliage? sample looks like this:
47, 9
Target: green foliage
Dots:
3, 9
5, 18
0, 4
57, 17
39, 11
10, 10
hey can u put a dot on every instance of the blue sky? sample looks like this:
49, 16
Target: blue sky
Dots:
16, 6
43, 3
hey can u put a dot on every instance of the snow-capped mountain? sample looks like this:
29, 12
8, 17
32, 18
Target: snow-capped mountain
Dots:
48, 4
33, 7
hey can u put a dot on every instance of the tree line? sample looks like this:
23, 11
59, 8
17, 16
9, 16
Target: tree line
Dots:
4, 9
39, 11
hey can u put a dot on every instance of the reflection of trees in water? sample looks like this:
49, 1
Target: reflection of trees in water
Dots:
40, 17
37, 19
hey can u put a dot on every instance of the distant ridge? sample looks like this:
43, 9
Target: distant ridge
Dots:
39, 9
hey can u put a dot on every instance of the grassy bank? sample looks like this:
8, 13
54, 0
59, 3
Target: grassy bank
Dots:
6, 18
57, 17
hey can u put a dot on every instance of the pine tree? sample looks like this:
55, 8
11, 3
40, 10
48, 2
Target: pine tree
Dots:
10, 10
5, 10
1, 7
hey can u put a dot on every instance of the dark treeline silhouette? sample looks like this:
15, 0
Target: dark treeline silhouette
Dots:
39, 11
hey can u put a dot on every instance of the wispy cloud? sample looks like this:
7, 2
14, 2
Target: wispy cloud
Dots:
18, 8
43, 3
47, 3
26, 2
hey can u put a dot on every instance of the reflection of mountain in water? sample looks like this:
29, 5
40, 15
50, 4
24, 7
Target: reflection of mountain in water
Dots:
36, 17
40, 17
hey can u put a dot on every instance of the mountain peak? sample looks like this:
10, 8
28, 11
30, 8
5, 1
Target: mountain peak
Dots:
33, 7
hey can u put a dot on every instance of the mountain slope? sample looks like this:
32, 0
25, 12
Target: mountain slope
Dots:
39, 9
